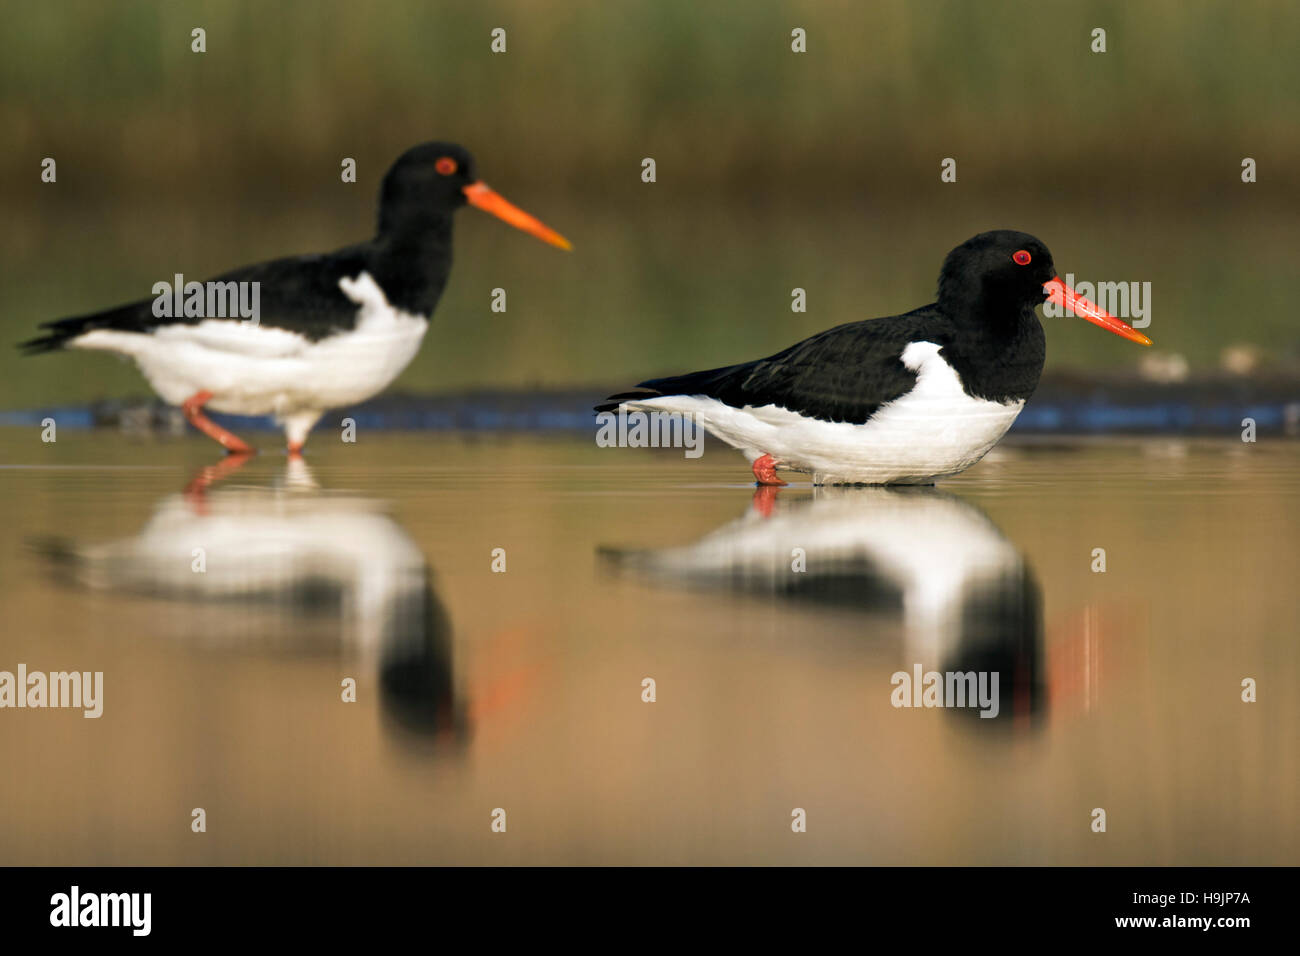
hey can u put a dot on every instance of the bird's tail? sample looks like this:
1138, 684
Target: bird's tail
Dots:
61, 332
612, 403
707, 382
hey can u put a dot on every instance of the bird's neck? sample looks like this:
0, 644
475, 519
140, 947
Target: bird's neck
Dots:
411, 263
999, 350
976, 304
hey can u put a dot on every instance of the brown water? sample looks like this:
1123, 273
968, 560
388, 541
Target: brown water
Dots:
522, 690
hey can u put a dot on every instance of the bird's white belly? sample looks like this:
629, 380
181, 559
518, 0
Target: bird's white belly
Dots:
260, 369
933, 431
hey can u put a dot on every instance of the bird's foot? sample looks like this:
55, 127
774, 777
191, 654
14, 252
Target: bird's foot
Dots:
295, 449
764, 468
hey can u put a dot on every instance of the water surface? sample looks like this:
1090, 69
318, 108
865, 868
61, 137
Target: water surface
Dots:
522, 690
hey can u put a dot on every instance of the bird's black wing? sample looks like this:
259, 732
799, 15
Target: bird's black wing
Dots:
302, 293
841, 375
298, 293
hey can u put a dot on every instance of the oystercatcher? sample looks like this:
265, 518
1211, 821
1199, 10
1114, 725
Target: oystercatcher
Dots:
333, 329
901, 400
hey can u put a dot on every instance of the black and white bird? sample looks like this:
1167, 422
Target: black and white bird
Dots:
906, 399
332, 329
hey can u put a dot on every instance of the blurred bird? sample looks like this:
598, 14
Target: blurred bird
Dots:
333, 329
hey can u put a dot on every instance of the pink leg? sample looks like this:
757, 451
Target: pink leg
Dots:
193, 409
764, 468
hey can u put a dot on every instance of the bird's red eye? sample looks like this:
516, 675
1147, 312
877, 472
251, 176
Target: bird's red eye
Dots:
1022, 258
446, 165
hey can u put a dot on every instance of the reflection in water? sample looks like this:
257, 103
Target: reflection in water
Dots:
289, 569
967, 598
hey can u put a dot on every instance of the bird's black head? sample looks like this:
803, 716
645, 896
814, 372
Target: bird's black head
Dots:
427, 181
996, 278
431, 181
1003, 270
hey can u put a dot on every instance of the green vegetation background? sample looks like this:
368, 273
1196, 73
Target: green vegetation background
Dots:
775, 170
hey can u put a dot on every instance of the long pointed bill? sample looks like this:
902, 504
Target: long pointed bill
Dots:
484, 198
1061, 294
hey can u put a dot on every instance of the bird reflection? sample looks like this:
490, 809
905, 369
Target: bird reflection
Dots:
967, 599
289, 569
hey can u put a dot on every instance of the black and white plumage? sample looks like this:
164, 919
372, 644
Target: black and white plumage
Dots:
905, 399
333, 330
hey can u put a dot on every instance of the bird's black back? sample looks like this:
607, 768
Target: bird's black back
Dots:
298, 293
846, 373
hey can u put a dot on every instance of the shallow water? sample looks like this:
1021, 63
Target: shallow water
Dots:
523, 690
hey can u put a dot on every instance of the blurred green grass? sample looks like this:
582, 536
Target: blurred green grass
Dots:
710, 89
775, 170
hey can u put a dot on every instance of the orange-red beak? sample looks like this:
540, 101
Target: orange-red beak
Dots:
1061, 294
484, 198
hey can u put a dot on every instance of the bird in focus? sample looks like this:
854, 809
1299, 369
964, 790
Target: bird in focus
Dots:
907, 399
